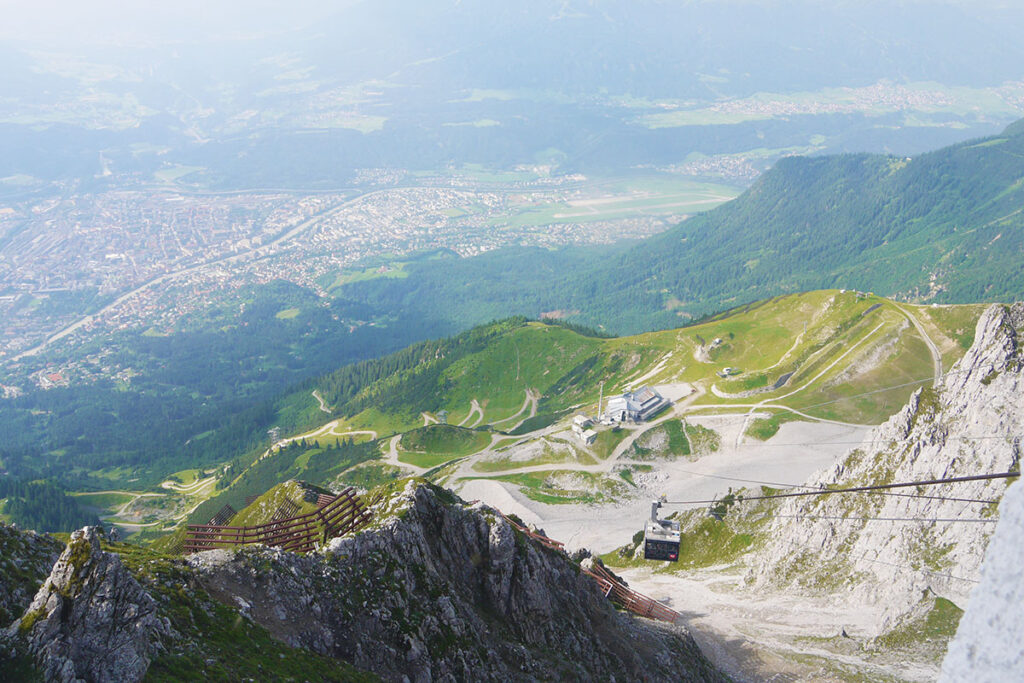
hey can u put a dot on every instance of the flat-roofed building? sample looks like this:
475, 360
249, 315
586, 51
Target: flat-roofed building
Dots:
635, 406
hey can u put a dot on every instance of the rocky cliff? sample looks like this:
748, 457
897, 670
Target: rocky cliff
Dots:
91, 620
897, 550
25, 560
989, 643
444, 591
435, 590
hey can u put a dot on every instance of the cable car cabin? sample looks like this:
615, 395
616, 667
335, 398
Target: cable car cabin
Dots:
661, 540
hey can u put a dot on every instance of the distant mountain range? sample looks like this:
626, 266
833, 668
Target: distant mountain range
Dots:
943, 227
305, 97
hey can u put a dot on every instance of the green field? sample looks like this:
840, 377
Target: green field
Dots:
174, 173
103, 501
348, 276
437, 444
186, 477
619, 199
438, 438
764, 428
607, 440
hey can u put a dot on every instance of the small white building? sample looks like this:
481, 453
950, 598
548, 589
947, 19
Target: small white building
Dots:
581, 428
581, 422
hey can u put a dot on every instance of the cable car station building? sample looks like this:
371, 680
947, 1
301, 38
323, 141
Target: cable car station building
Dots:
634, 406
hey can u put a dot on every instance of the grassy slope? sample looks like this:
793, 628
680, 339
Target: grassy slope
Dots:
843, 348
435, 444
837, 346
829, 340
262, 510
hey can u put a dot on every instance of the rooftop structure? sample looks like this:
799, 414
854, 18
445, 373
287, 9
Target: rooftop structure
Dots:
581, 421
637, 406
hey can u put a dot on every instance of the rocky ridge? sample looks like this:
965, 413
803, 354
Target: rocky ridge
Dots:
989, 643
91, 619
26, 558
445, 591
436, 590
890, 550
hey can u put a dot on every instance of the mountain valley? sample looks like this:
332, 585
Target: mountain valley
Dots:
458, 340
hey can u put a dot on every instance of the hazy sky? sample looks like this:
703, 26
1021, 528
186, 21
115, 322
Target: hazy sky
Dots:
83, 22
71, 22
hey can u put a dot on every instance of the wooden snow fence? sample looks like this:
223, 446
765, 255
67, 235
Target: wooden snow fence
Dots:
629, 599
301, 533
613, 589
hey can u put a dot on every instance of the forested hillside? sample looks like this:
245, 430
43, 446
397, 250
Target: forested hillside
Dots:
204, 393
944, 227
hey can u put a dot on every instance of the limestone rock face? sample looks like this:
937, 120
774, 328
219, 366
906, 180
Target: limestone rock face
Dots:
972, 423
91, 620
989, 642
443, 591
25, 561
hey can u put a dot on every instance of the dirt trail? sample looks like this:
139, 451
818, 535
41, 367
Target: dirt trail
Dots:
760, 405
474, 408
189, 489
932, 348
320, 400
633, 383
392, 458
323, 430
526, 404
532, 397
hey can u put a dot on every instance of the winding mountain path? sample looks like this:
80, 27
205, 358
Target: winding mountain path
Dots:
826, 369
392, 458
320, 400
532, 397
526, 404
474, 408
